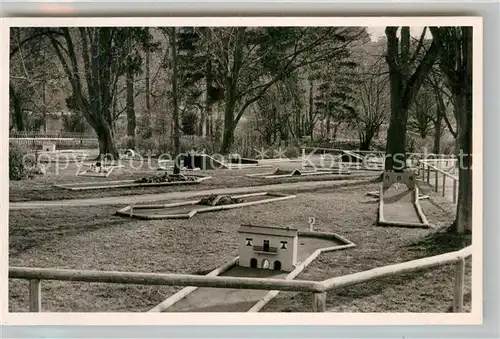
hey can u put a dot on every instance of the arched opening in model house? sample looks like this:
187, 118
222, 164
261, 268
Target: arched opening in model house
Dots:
277, 265
265, 264
253, 263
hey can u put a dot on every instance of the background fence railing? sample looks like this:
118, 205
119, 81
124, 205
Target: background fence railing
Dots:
436, 172
61, 143
318, 289
52, 134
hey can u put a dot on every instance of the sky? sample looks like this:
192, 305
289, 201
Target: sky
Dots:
377, 32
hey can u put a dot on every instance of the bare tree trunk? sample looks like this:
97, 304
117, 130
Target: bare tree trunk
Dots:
328, 127
147, 114
311, 110
231, 84
207, 119
396, 134
463, 221
44, 105
456, 63
404, 88
17, 106
437, 131
228, 134
105, 136
131, 122
335, 131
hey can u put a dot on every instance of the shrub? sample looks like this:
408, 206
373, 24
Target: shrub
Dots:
19, 163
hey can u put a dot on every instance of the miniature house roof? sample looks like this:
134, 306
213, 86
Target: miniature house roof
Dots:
269, 230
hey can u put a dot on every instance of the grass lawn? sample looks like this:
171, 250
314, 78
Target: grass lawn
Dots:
41, 187
93, 238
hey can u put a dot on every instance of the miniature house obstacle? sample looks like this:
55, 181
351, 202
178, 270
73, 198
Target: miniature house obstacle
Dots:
268, 247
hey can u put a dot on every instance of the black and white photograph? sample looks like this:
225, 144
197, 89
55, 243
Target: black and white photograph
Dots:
244, 166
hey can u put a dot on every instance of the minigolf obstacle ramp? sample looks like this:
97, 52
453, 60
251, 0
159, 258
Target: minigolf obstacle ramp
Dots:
399, 205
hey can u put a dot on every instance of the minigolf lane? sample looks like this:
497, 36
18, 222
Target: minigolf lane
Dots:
400, 207
240, 300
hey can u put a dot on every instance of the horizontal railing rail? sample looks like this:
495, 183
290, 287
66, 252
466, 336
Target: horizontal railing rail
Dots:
319, 289
51, 134
136, 278
401, 268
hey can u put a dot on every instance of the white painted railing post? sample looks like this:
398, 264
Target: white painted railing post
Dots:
458, 299
444, 183
35, 296
319, 302
436, 182
454, 191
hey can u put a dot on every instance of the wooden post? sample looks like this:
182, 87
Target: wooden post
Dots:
436, 182
35, 296
428, 174
132, 209
458, 299
423, 172
454, 191
444, 183
319, 302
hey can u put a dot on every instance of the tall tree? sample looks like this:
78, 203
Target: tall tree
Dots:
423, 113
35, 80
131, 69
374, 103
443, 98
147, 70
407, 72
206, 121
250, 60
94, 59
456, 63
175, 107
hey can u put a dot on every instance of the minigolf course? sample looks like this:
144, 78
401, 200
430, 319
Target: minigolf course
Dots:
264, 251
399, 201
165, 180
98, 170
188, 209
279, 173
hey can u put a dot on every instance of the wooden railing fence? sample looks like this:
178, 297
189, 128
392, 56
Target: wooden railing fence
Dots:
319, 289
428, 170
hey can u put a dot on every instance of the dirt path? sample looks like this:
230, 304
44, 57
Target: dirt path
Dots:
308, 185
